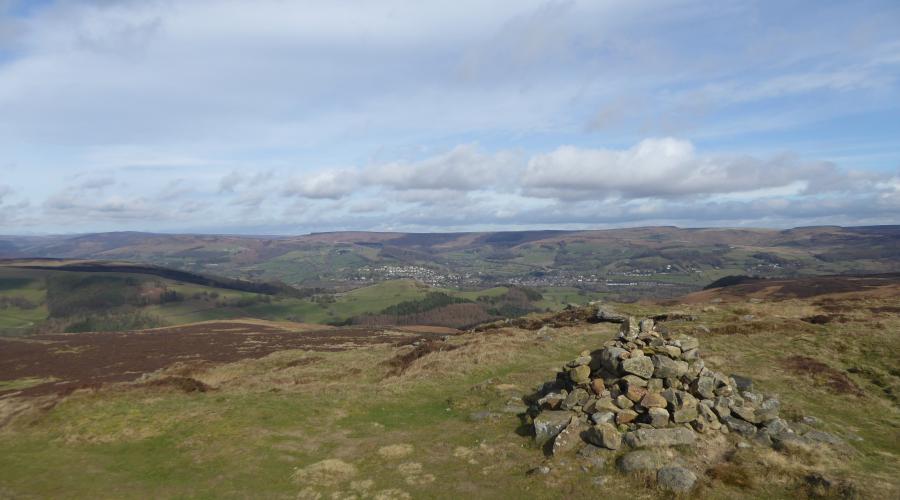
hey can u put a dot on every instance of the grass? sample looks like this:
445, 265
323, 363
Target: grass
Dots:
278, 428
23, 383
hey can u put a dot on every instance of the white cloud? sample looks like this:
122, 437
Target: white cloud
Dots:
330, 184
665, 167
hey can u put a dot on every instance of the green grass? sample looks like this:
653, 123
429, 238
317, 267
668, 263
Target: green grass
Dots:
23, 383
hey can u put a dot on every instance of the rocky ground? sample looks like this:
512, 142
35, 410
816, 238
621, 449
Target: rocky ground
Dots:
647, 393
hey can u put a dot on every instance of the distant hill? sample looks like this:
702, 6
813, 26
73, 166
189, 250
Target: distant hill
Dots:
627, 263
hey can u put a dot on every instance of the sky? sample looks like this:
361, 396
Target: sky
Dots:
289, 117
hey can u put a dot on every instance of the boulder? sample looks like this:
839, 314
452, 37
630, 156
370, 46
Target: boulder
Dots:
580, 374
742, 427
658, 417
630, 329
643, 460
570, 437
746, 412
653, 400
549, 424
604, 435
635, 393
676, 479
634, 380
666, 367
768, 409
649, 438
609, 358
595, 456
687, 343
598, 386
603, 417
704, 387
577, 397
642, 366
626, 416
645, 326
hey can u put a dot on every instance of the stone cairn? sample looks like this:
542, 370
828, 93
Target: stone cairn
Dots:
648, 389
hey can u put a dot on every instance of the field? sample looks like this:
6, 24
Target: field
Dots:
49, 299
438, 420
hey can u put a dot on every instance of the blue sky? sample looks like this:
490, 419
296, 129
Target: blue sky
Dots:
290, 117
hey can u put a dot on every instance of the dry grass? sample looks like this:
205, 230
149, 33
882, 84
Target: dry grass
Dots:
822, 374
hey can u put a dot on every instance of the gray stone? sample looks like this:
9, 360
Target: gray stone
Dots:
646, 325
579, 361
594, 455
608, 316
629, 329
654, 385
634, 380
740, 426
604, 435
676, 479
643, 460
575, 398
704, 387
672, 351
659, 417
666, 367
570, 437
777, 426
768, 409
580, 374
606, 404
688, 343
685, 415
696, 368
709, 416
649, 438
642, 366
603, 417
747, 413
549, 424
720, 407
551, 401
752, 397
624, 403
609, 358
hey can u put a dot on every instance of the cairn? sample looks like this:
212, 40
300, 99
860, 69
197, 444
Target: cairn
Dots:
649, 389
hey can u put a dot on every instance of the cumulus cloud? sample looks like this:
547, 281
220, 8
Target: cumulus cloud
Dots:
664, 167
463, 168
330, 184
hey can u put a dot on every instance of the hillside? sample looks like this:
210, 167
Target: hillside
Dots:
83, 295
628, 263
444, 417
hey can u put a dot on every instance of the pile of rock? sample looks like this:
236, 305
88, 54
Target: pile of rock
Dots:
649, 389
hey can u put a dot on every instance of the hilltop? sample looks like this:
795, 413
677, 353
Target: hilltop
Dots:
444, 415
